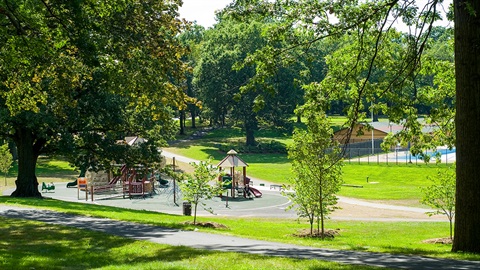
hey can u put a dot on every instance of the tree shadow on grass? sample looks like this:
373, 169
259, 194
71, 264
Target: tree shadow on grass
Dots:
36, 245
45, 246
74, 208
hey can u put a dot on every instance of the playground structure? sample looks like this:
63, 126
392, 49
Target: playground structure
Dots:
237, 182
141, 182
128, 182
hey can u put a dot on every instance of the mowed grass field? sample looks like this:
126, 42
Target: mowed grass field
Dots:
36, 245
392, 182
391, 237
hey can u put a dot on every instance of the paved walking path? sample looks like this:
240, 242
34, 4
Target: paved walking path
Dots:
235, 244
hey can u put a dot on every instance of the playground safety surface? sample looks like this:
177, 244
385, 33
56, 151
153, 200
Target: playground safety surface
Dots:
271, 204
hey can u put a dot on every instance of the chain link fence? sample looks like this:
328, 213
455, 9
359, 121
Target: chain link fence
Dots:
365, 153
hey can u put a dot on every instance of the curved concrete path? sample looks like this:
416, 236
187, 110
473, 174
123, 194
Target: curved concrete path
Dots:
235, 244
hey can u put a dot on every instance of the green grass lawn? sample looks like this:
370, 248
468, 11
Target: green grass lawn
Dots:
392, 237
385, 181
36, 245
48, 170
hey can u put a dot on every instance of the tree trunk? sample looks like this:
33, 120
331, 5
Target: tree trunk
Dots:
250, 125
182, 122
250, 137
192, 113
322, 220
311, 219
195, 214
467, 69
28, 151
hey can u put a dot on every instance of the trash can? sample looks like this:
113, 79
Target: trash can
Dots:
187, 209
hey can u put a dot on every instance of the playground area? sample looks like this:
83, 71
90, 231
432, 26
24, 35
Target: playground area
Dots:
153, 192
271, 204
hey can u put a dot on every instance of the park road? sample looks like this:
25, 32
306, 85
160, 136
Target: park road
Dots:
235, 244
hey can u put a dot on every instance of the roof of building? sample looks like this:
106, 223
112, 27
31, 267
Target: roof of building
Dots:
390, 127
232, 161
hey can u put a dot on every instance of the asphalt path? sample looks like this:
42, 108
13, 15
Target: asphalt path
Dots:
234, 244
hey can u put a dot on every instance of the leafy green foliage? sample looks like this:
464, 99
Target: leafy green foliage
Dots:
317, 169
441, 194
229, 81
78, 77
197, 187
6, 160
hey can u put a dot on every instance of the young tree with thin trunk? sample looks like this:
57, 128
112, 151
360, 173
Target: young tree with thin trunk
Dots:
441, 195
316, 167
197, 186
6, 160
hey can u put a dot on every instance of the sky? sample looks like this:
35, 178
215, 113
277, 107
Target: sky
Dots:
202, 11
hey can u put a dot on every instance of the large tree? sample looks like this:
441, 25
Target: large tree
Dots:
225, 78
467, 75
374, 20
76, 77
192, 39
219, 83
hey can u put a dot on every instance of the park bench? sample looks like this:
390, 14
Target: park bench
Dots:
276, 186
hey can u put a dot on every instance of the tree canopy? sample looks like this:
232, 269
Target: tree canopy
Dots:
76, 77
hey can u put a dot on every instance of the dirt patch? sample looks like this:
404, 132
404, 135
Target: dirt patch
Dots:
207, 224
330, 234
443, 241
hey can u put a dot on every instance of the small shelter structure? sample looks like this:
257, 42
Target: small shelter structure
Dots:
239, 179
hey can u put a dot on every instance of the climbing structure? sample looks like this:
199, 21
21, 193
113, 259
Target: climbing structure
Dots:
239, 178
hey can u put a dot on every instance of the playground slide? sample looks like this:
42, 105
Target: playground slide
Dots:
255, 192
72, 184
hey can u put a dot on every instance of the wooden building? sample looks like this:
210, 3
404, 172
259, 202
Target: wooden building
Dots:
362, 133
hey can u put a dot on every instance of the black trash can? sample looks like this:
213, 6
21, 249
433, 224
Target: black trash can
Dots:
187, 209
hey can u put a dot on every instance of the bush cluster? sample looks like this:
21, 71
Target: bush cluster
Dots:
262, 147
